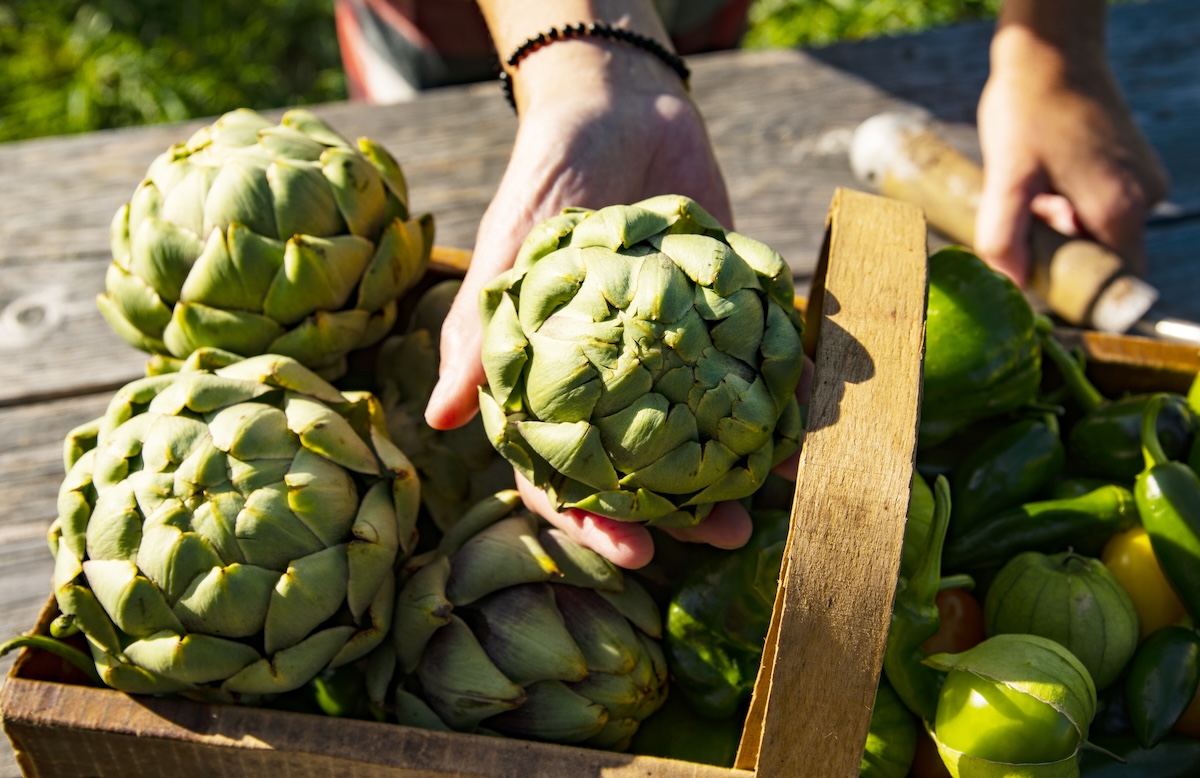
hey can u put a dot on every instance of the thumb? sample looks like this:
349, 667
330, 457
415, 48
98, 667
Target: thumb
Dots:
455, 398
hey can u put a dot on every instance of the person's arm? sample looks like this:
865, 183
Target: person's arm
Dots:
1058, 140
601, 122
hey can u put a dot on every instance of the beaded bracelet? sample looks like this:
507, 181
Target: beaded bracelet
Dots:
586, 29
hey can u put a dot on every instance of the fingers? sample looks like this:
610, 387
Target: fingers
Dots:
455, 398
1003, 219
623, 543
727, 526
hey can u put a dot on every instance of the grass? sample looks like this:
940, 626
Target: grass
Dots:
71, 66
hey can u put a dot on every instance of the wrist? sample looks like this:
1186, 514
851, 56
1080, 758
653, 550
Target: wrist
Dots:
591, 68
1050, 39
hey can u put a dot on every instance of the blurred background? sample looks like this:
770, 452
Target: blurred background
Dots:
68, 66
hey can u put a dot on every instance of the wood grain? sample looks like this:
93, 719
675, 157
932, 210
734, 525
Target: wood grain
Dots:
843, 552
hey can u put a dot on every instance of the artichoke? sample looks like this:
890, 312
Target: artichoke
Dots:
458, 467
510, 627
257, 238
232, 532
642, 361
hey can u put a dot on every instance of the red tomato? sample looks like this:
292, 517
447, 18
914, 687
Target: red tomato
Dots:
962, 623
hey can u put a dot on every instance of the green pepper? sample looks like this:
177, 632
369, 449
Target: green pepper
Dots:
891, 739
1084, 523
677, 731
982, 356
1162, 680
1193, 395
1077, 486
719, 616
917, 525
915, 618
1174, 757
1013, 466
1106, 442
1168, 499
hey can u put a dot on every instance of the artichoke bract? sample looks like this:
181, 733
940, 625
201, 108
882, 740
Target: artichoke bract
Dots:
511, 628
642, 361
257, 238
231, 532
458, 467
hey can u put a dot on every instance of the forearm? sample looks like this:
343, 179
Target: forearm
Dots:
584, 63
1058, 37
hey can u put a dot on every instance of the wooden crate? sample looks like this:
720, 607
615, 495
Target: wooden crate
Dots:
815, 690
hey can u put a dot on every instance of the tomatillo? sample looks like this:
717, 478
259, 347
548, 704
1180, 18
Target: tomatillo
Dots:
1014, 705
992, 721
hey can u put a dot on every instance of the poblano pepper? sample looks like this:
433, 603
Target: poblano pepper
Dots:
1107, 440
915, 618
1161, 682
1168, 499
1174, 757
1011, 467
718, 619
1084, 523
891, 739
982, 356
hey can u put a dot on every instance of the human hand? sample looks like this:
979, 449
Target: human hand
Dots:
601, 123
1059, 143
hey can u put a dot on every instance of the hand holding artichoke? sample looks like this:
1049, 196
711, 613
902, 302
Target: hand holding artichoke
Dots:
642, 362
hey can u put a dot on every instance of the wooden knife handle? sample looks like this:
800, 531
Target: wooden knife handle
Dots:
1083, 282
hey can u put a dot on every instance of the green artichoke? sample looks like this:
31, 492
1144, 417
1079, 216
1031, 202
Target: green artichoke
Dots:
509, 627
231, 532
458, 467
258, 238
642, 361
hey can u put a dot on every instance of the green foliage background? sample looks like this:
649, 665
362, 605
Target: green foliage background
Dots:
73, 66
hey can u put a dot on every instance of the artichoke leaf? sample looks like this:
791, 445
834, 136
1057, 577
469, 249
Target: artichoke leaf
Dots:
190, 659
504, 554
573, 449
251, 430
291, 667
522, 632
133, 603
304, 203
195, 326
235, 270
325, 432
318, 274
579, 565
372, 552
309, 592
229, 601
323, 339
459, 681
553, 712
618, 226
240, 193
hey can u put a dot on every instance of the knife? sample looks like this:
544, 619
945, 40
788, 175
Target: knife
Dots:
1084, 283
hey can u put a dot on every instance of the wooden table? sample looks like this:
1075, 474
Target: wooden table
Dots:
780, 120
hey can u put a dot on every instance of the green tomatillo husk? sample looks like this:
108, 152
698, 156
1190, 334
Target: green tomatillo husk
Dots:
1014, 705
